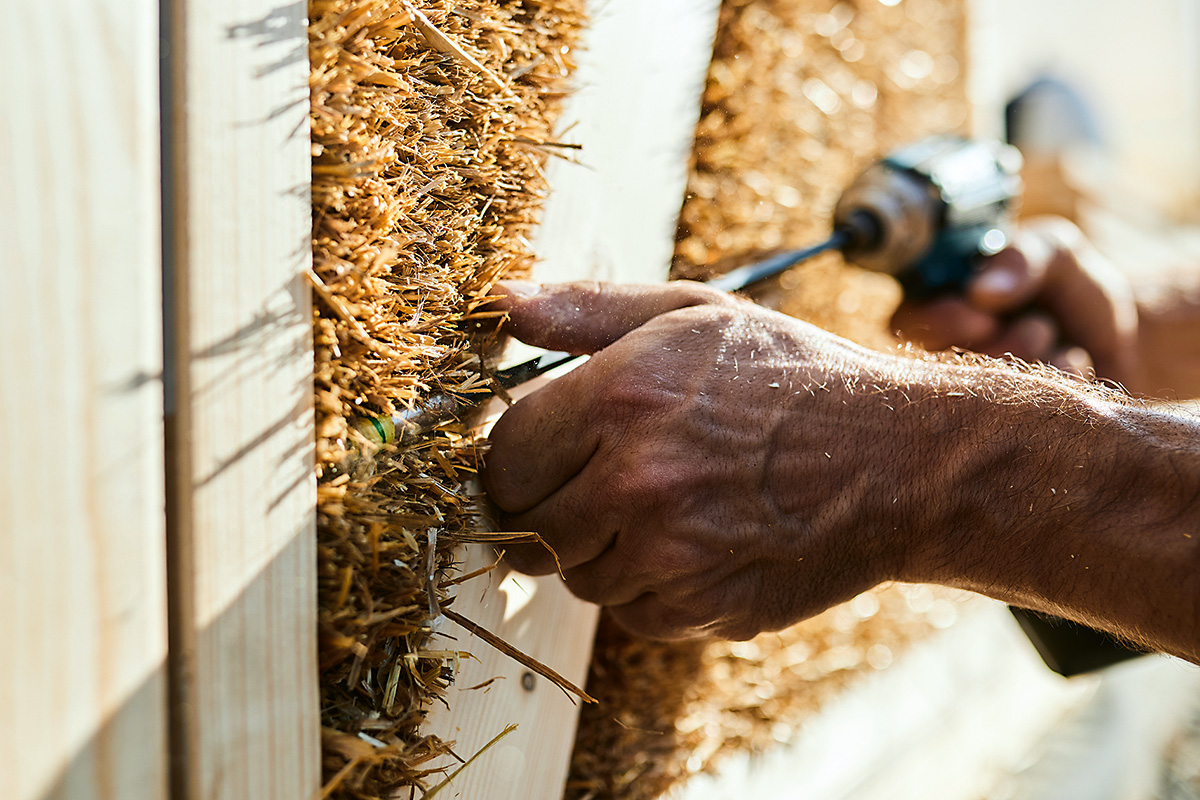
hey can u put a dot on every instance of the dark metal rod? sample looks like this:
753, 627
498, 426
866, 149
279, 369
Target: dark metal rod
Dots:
742, 277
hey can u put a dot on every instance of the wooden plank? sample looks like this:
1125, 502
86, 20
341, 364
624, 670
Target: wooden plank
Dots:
539, 617
82, 575
241, 489
611, 218
641, 74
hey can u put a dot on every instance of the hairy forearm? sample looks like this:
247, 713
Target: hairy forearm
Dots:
1073, 504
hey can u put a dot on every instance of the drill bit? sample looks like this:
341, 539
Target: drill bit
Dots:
742, 277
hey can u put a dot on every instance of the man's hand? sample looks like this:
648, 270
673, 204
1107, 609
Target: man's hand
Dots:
719, 468
1050, 297
715, 468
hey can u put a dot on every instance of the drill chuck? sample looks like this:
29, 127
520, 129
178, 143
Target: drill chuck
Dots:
891, 217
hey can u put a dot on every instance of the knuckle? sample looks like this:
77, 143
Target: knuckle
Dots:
644, 486
693, 293
672, 557
718, 317
633, 396
623, 487
704, 317
647, 621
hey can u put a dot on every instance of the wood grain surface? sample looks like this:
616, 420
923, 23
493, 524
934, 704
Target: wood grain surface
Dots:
82, 572
241, 491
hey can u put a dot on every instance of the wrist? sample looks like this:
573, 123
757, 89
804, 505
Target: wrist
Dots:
1071, 504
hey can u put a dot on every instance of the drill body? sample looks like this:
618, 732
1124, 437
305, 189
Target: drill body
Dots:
926, 212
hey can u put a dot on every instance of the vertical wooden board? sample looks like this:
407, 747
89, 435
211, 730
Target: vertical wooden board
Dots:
243, 491
82, 567
543, 620
610, 217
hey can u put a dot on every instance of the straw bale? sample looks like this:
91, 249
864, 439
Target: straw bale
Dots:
428, 119
800, 96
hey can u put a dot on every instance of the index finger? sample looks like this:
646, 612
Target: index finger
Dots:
586, 317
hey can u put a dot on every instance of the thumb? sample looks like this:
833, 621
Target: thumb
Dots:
588, 316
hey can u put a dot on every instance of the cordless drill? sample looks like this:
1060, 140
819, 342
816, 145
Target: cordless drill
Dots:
924, 214
927, 212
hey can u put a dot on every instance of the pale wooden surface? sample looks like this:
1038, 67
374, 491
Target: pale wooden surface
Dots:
611, 218
543, 620
1137, 64
82, 581
640, 76
945, 722
242, 492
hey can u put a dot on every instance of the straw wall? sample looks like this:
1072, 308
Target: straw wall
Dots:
428, 121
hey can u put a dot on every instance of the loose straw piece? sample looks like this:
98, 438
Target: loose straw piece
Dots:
428, 795
515, 654
444, 44
337, 304
470, 575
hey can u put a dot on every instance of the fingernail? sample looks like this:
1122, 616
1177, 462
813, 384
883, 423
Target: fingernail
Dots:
997, 282
518, 289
